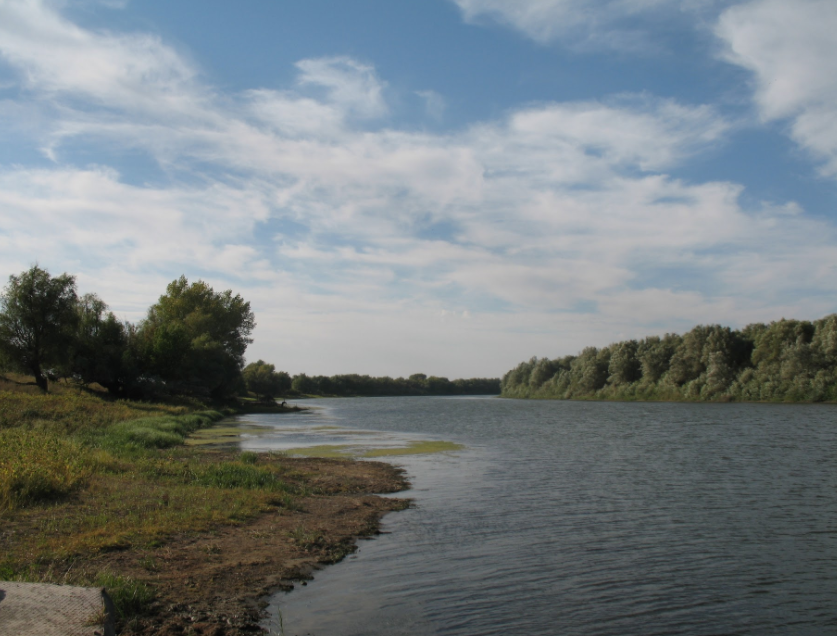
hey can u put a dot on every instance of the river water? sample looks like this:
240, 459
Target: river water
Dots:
587, 518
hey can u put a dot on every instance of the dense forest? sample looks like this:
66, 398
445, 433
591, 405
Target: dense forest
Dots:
785, 361
191, 342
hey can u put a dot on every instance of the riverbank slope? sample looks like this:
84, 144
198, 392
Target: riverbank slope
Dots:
187, 540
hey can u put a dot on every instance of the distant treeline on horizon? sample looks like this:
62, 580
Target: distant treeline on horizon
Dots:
785, 361
354, 385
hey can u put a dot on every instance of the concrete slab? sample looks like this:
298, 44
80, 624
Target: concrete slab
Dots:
41, 609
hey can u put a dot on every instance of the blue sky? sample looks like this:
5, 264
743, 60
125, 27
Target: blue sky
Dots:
437, 186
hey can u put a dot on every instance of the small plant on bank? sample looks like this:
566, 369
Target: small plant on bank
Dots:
130, 597
248, 457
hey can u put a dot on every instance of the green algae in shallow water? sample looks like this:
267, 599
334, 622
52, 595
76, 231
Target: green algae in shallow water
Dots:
324, 450
414, 448
224, 434
350, 451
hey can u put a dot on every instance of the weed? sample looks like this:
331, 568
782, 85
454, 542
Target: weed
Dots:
149, 563
39, 466
248, 457
306, 539
286, 501
130, 597
236, 475
281, 622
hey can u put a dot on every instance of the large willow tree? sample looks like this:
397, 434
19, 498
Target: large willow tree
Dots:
37, 322
195, 338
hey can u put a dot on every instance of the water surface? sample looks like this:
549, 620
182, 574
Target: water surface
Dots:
590, 518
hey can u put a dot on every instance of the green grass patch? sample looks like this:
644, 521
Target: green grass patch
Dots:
38, 466
153, 432
72, 412
130, 597
238, 475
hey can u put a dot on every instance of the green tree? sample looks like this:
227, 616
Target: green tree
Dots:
99, 350
542, 371
263, 380
624, 366
303, 384
37, 321
654, 354
195, 338
590, 371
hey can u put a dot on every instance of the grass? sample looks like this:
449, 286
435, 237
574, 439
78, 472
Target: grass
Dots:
81, 475
70, 411
130, 597
39, 466
163, 431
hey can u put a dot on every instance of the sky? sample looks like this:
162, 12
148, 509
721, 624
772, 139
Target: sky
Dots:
445, 187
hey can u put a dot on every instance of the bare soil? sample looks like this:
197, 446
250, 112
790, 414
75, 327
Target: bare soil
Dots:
215, 583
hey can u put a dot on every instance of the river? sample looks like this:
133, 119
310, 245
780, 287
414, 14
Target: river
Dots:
585, 518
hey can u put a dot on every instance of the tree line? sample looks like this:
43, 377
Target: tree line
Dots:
191, 342
787, 360
350, 385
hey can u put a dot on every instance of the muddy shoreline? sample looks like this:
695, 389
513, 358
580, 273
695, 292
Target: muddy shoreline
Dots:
216, 583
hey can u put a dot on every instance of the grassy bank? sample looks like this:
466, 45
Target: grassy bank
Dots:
82, 476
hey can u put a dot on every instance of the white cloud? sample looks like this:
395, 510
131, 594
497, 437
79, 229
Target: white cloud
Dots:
56, 57
790, 47
352, 86
295, 116
434, 104
553, 225
587, 24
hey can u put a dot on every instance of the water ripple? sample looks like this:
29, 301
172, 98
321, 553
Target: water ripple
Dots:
593, 519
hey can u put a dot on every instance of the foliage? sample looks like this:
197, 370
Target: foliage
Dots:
192, 341
353, 385
100, 349
37, 320
262, 379
788, 360
195, 338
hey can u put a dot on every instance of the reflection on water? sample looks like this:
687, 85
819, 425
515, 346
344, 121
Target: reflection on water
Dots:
591, 519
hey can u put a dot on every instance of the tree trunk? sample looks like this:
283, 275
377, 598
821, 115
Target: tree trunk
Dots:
41, 380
